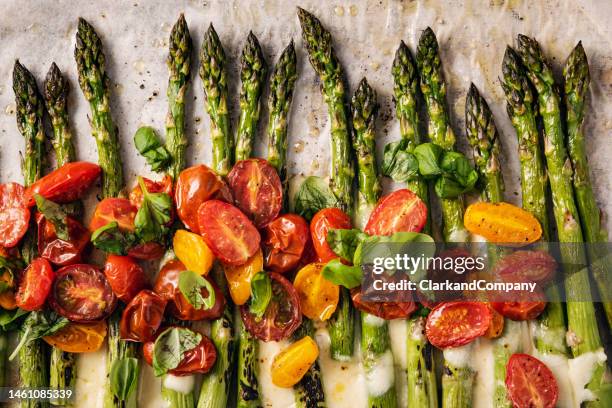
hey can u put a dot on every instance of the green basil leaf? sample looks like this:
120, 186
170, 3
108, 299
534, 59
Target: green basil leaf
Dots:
170, 348
191, 284
9, 319
110, 239
150, 147
345, 275
39, 324
447, 187
261, 293
458, 167
124, 377
344, 241
153, 215
429, 155
399, 164
55, 214
313, 195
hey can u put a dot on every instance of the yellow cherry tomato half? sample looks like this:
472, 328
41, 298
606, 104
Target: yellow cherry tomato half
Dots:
239, 277
290, 365
502, 223
318, 296
193, 252
79, 337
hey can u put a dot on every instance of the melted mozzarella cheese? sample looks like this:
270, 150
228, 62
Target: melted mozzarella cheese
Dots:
381, 375
581, 370
149, 390
398, 332
91, 376
559, 366
483, 365
459, 356
184, 385
272, 396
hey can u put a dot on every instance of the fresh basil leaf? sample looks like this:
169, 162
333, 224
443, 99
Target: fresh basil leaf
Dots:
124, 374
10, 318
313, 195
55, 214
191, 284
460, 169
447, 187
428, 155
39, 324
153, 215
150, 147
110, 239
398, 163
170, 348
344, 241
261, 293
345, 275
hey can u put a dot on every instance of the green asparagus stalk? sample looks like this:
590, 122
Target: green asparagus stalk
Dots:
118, 349
577, 79
179, 67
309, 391
582, 323
62, 374
375, 348
214, 77
252, 74
247, 395
4, 338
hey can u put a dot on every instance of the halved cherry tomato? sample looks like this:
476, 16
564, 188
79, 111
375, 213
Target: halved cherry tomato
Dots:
323, 221
7, 300
257, 190
197, 360
521, 310
384, 310
14, 214
497, 324
193, 252
114, 209
147, 251
56, 250
285, 242
35, 285
125, 276
79, 337
318, 296
282, 316
142, 317
526, 266
229, 234
194, 186
400, 211
454, 324
82, 294
502, 223
290, 365
163, 186
530, 383
166, 285
239, 277
66, 184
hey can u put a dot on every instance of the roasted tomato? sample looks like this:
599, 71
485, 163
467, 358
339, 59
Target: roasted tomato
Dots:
114, 209
502, 223
239, 277
166, 285
125, 276
56, 250
521, 310
79, 337
282, 316
384, 310
14, 214
323, 221
194, 186
454, 324
290, 365
35, 285
192, 251
163, 186
318, 296
66, 184
229, 234
147, 251
400, 211
257, 190
286, 239
82, 294
497, 324
197, 360
530, 383
526, 266
142, 317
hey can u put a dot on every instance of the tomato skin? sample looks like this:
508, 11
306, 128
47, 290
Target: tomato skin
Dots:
384, 310
14, 214
285, 242
79, 337
35, 285
502, 223
56, 250
496, 327
239, 278
400, 211
229, 234
66, 184
257, 190
147, 251
166, 285
82, 294
318, 296
114, 209
323, 221
282, 316
453, 324
163, 186
525, 266
125, 276
194, 186
142, 317
519, 311
530, 383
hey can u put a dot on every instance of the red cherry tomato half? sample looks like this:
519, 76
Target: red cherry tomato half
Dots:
384, 310
14, 214
114, 209
194, 186
82, 294
125, 276
35, 285
282, 316
286, 239
163, 186
257, 190
323, 221
530, 383
166, 285
56, 250
66, 184
142, 317
400, 211
147, 251
454, 324
229, 234
521, 310
526, 266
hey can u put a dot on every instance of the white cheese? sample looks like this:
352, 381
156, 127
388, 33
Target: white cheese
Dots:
482, 364
398, 332
184, 384
458, 356
149, 390
373, 320
91, 376
272, 396
381, 375
559, 366
581, 370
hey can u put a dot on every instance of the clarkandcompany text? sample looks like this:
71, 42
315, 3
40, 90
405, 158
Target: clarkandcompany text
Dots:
428, 285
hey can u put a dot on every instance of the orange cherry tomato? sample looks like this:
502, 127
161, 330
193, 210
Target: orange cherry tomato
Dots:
125, 276
79, 337
453, 324
14, 214
497, 324
56, 250
502, 223
35, 285
285, 242
318, 296
323, 221
142, 317
7, 300
290, 365
530, 383
239, 277
193, 252
114, 209
163, 186
400, 211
